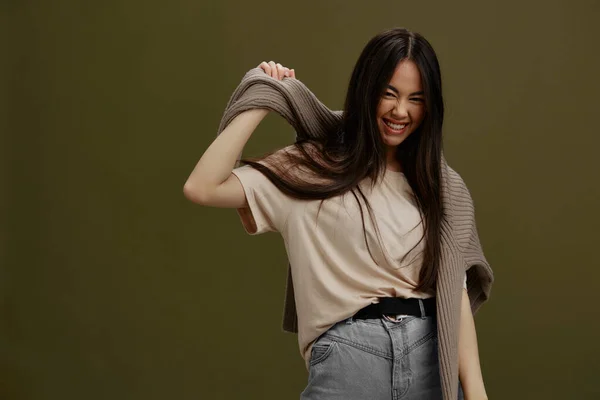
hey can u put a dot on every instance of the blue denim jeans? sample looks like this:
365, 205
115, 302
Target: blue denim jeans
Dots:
376, 359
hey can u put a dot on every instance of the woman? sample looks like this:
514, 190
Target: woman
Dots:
370, 291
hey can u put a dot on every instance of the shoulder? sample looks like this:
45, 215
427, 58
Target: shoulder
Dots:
455, 185
278, 159
300, 164
452, 176
293, 155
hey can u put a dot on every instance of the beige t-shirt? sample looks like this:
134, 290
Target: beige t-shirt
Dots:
333, 273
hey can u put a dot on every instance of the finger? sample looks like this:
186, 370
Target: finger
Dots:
273, 69
281, 71
265, 67
293, 73
286, 72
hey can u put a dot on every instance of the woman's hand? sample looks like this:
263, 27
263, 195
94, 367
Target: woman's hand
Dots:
277, 71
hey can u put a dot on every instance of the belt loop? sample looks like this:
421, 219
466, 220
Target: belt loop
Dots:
422, 307
349, 320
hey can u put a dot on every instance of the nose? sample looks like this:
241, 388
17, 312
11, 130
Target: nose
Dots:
400, 109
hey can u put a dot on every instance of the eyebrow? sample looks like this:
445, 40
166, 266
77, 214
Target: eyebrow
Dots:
397, 92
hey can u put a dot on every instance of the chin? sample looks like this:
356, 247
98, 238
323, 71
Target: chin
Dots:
392, 140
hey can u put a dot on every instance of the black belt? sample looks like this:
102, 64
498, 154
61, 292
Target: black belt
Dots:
397, 305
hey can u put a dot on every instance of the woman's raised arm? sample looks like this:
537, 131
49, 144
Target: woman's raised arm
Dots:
211, 182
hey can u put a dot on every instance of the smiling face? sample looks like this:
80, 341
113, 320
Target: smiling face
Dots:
401, 108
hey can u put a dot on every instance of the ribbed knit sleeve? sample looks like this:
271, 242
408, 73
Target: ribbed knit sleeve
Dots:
289, 97
479, 273
460, 210
461, 250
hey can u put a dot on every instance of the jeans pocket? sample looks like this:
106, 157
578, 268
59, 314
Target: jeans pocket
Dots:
321, 350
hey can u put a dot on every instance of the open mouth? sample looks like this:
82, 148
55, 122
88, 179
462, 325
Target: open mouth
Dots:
395, 128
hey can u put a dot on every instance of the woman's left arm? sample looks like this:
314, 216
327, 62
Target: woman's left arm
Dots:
469, 370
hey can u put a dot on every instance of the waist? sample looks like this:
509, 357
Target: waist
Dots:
398, 306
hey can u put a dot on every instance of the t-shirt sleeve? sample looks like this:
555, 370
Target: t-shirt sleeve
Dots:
268, 207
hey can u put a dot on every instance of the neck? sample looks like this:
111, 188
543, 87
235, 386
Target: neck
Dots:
391, 161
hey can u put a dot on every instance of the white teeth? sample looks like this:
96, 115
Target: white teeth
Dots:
394, 126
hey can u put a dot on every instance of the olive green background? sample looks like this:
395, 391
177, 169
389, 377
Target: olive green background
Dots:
114, 286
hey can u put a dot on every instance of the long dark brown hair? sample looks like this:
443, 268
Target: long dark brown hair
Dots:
356, 151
